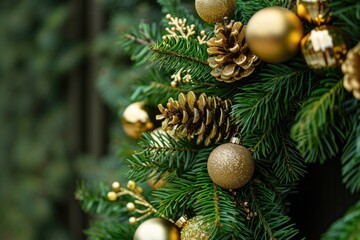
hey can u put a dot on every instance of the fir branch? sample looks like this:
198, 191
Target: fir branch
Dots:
247, 8
350, 158
271, 223
268, 96
94, 200
317, 130
346, 15
346, 228
138, 43
110, 230
176, 197
289, 166
160, 153
176, 53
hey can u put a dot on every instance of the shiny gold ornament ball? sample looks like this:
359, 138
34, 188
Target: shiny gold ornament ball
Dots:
274, 34
213, 11
313, 11
230, 166
195, 229
136, 120
351, 70
157, 229
324, 46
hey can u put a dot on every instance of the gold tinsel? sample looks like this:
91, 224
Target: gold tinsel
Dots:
205, 118
233, 60
351, 70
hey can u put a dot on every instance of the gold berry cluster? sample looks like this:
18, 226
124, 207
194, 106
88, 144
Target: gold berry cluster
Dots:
250, 214
139, 205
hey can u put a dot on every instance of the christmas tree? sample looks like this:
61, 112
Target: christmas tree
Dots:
237, 98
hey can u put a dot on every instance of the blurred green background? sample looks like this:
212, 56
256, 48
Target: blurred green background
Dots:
63, 79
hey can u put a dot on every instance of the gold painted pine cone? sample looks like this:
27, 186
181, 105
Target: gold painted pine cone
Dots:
205, 118
351, 70
233, 60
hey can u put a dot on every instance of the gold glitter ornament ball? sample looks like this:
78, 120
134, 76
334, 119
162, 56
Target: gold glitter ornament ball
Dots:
136, 120
274, 34
324, 46
230, 165
157, 229
194, 229
213, 11
313, 11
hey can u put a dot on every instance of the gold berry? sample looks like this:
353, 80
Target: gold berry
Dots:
116, 186
112, 196
130, 206
131, 185
132, 220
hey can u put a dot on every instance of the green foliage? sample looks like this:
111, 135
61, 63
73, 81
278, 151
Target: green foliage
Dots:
247, 8
318, 129
110, 230
160, 153
351, 155
346, 228
175, 53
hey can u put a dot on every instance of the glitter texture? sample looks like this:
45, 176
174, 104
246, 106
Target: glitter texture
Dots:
230, 166
194, 229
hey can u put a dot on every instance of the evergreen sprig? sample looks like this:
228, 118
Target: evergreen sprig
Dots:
175, 53
160, 153
247, 8
138, 42
271, 95
347, 227
271, 222
318, 129
110, 230
351, 155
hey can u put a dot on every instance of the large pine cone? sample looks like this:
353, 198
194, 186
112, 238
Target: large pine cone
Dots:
351, 70
206, 118
234, 59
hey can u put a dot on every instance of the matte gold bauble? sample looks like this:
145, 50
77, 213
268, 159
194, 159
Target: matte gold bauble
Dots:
274, 34
314, 11
351, 70
157, 229
156, 183
195, 229
213, 11
230, 165
136, 120
324, 46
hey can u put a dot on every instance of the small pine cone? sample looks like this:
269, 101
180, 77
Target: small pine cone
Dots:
351, 70
205, 118
234, 59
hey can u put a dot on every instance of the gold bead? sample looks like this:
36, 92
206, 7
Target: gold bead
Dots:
131, 185
112, 196
324, 46
132, 220
314, 11
213, 11
157, 228
230, 166
116, 186
274, 34
130, 206
136, 120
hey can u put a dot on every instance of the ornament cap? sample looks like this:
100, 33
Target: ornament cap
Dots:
181, 221
236, 139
